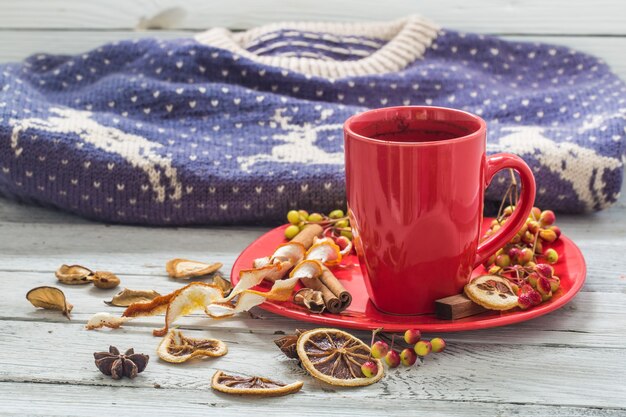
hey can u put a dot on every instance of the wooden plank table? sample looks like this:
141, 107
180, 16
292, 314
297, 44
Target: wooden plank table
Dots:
570, 362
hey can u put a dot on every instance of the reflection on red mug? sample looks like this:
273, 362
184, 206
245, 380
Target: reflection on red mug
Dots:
416, 178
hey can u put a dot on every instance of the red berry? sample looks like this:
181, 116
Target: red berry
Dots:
379, 349
533, 226
535, 213
503, 260
547, 217
555, 283
526, 255
369, 369
423, 348
544, 288
548, 235
392, 359
412, 336
551, 256
528, 297
544, 270
437, 344
557, 230
408, 357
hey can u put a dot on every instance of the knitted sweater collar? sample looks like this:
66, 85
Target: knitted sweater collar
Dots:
395, 45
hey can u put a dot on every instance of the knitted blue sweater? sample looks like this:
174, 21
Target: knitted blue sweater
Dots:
241, 127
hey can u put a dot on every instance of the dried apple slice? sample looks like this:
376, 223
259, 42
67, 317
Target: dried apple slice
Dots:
49, 298
255, 385
335, 357
492, 292
74, 274
177, 348
185, 268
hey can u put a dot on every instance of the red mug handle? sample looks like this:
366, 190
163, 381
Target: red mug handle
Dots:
524, 205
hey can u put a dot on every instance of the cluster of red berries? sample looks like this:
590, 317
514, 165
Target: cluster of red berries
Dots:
407, 357
524, 261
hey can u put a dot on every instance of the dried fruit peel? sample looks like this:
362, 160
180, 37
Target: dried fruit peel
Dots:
199, 296
258, 386
325, 251
275, 267
492, 292
177, 348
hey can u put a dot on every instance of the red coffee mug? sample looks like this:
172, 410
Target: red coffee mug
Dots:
416, 178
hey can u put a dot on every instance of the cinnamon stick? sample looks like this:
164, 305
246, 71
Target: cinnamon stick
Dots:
333, 305
332, 283
308, 235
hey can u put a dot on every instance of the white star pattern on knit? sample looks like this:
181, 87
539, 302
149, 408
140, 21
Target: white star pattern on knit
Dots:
564, 159
136, 150
298, 145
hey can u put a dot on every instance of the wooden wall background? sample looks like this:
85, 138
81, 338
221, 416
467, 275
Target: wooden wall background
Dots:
72, 26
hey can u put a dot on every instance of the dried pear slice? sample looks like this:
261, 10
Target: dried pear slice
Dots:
74, 274
185, 268
492, 292
335, 357
255, 385
49, 298
176, 347
127, 297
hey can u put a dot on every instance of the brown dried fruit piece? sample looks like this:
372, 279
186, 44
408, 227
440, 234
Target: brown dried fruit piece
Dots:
74, 274
105, 280
185, 268
491, 292
287, 344
50, 298
177, 348
255, 385
335, 357
116, 365
311, 299
127, 297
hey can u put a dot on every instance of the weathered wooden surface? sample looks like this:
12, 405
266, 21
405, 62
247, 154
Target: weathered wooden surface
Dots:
570, 362
600, 17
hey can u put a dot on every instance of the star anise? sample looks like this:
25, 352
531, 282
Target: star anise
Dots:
116, 365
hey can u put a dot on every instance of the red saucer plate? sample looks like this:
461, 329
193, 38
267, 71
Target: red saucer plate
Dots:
363, 315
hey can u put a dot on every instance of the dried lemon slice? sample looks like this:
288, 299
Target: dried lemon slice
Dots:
254, 385
335, 357
492, 292
177, 348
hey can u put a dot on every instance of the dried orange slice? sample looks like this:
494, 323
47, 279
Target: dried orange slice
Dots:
492, 292
253, 385
177, 348
335, 357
